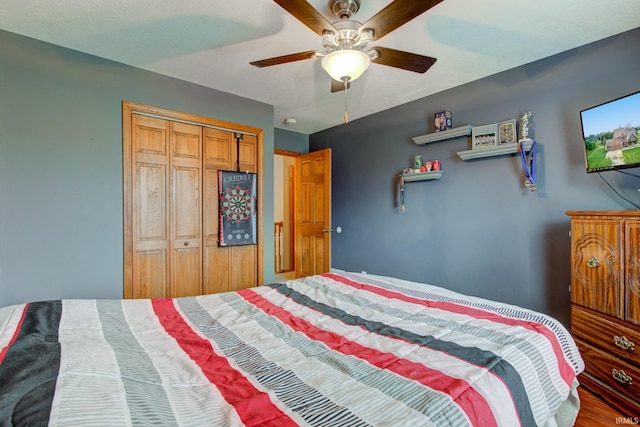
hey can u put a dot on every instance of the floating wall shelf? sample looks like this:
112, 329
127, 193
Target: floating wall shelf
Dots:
422, 176
443, 135
493, 151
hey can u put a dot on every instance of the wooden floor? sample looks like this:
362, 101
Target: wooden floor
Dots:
284, 276
594, 412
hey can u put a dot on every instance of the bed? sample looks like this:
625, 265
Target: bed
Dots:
337, 349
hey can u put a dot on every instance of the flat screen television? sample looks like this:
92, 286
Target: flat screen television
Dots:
611, 134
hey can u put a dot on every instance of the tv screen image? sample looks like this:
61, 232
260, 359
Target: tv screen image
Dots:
611, 134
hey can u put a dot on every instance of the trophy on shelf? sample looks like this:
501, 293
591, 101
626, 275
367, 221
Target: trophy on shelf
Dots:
524, 126
528, 161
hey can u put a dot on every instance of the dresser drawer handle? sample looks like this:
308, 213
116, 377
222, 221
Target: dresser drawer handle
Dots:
624, 343
593, 262
621, 376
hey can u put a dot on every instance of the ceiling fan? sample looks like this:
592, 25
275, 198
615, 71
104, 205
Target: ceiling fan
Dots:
346, 55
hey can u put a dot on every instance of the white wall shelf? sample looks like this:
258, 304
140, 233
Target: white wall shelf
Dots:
443, 135
422, 176
493, 151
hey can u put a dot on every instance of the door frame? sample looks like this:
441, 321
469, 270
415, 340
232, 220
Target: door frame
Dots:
128, 109
292, 207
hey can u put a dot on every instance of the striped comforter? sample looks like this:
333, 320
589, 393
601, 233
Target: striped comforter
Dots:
330, 350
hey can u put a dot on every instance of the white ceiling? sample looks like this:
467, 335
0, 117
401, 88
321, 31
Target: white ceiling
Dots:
211, 42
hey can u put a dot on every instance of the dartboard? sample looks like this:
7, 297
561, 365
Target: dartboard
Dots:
237, 205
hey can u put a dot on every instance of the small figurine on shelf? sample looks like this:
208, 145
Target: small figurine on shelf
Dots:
524, 126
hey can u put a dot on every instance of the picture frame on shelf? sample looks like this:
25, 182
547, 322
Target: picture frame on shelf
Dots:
484, 136
507, 132
443, 121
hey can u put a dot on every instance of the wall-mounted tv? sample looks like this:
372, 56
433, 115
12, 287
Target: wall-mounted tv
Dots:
611, 134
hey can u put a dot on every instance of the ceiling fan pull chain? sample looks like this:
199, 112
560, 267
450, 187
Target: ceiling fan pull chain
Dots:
346, 90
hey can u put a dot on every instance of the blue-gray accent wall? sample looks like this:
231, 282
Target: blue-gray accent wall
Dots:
61, 198
479, 230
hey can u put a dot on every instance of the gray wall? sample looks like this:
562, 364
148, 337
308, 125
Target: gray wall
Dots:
61, 226
291, 141
478, 230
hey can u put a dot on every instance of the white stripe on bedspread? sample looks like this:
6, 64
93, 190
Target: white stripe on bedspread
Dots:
498, 398
516, 348
341, 388
194, 400
88, 385
516, 345
9, 320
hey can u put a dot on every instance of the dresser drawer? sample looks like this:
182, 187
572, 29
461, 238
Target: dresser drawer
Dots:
601, 331
617, 374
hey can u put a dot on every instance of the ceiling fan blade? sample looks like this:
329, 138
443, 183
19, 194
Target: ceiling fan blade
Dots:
404, 60
284, 59
337, 86
397, 13
306, 14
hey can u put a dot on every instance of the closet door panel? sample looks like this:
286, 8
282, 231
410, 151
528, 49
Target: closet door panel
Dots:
243, 266
186, 210
186, 272
242, 258
150, 213
248, 152
150, 274
217, 156
186, 255
218, 275
186, 204
217, 151
149, 138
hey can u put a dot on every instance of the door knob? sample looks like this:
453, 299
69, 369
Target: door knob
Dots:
186, 243
327, 230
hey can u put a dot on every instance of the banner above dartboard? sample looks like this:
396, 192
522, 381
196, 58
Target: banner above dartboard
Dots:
237, 209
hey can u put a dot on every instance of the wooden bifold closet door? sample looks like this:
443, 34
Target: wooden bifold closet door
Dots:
171, 204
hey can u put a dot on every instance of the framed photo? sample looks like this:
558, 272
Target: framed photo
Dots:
484, 136
507, 132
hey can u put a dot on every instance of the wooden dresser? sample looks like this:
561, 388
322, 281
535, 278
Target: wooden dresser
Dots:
605, 303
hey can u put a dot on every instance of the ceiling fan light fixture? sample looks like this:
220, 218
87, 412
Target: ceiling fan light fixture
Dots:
343, 9
346, 65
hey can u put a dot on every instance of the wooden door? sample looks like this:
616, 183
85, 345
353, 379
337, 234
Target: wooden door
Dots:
167, 214
313, 213
150, 213
185, 211
242, 257
228, 268
596, 261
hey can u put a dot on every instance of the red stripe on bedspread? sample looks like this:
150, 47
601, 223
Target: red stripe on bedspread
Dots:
252, 405
566, 371
3, 352
471, 402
